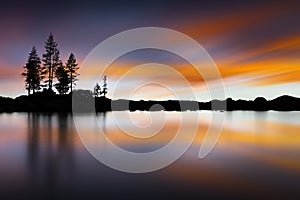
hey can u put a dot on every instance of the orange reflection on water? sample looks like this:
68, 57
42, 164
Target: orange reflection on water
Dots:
265, 141
257, 155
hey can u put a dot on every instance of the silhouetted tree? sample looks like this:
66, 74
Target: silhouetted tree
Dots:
32, 72
72, 68
104, 90
97, 90
62, 76
51, 60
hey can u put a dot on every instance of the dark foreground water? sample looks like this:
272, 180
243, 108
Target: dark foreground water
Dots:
257, 157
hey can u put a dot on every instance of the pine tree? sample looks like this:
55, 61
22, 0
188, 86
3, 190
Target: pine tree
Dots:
97, 90
51, 60
72, 68
33, 72
62, 76
104, 90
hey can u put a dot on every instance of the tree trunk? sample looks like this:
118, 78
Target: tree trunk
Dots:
71, 82
49, 78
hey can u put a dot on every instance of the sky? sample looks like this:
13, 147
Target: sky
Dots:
254, 44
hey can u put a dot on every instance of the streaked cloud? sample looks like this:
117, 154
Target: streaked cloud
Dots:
257, 43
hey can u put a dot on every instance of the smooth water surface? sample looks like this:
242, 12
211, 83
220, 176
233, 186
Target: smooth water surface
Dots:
257, 156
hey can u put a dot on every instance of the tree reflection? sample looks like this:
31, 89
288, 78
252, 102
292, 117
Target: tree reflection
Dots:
50, 149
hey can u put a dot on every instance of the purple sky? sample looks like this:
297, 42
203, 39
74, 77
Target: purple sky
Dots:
243, 38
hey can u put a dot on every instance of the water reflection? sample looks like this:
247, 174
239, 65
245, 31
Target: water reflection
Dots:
257, 156
261, 118
50, 151
101, 116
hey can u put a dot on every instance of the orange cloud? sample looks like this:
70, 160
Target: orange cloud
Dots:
273, 61
220, 26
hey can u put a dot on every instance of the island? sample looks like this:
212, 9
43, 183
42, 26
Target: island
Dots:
50, 102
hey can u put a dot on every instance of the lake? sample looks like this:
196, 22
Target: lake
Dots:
256, 156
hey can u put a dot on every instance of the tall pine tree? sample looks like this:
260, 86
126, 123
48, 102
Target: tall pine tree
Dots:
51, 60
62, 76
33, 72
72, 68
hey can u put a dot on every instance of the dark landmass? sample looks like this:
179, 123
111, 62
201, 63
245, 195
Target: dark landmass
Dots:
50, 102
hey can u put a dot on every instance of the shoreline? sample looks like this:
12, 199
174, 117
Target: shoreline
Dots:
63, 103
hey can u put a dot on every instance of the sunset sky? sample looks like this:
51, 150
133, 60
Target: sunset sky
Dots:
255, 45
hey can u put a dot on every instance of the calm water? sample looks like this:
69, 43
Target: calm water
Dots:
257, 156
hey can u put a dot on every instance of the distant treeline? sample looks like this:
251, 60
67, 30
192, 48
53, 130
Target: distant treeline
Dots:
49, 102
39, 82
